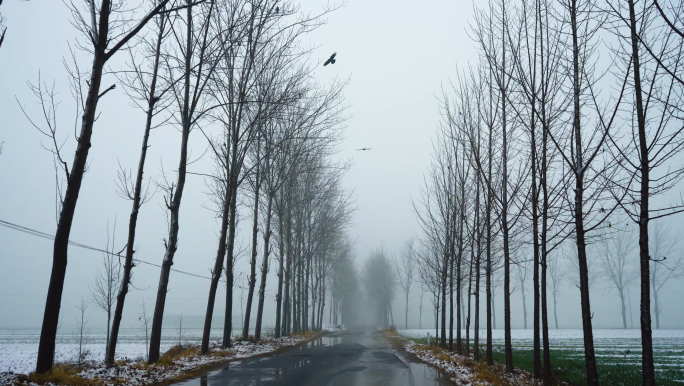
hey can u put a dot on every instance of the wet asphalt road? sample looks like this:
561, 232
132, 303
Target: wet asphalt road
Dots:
356, 357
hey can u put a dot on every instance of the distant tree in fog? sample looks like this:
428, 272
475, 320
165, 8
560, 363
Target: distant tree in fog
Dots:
380, 283
614, 264
145, 319
558, 274
404, 265
81, 329
521, 273
423, 290
666, 263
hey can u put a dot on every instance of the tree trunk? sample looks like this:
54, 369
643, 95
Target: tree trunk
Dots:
555, 312
451, 303
48, 333
590, 357
218, 267
623, 309
133, 221
443, 341
406, 314
494, 308
647, 368
470, 292
281, 266
656, 309
545, 215
252, 272
109, 319
307, 281
478, 254
461, 219
420, 314
545, 322
174, 208
287, 317
535, 234
488, 270
524, 308
264, 266
508, 347
228, 317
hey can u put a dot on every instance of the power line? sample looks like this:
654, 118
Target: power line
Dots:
48, 236
44, 235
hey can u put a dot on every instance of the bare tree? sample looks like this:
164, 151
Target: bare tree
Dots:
141, 85
645, 156
404, 266
558, 274
521, 273
581, 147
145, 319
106, 37
82, 329
103, 291
189, 68
615, 265
379, 282
423, 290
667, 262
180, 320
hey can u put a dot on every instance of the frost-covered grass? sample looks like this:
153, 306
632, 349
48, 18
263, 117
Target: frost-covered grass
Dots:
618, 353
460, 369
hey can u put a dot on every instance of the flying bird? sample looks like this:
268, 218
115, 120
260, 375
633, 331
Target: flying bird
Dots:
363, 148
331, 59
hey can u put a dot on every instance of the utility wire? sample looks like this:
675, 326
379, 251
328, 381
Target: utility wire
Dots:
48, 236
44, 235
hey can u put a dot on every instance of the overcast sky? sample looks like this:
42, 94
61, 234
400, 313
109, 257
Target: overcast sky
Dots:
397, 54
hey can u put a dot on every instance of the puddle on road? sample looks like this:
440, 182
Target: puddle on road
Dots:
416, 374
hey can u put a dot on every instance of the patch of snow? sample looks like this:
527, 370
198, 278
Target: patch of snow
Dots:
333, 328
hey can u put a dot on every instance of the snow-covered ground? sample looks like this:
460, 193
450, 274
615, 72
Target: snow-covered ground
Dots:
528, 334
19, 348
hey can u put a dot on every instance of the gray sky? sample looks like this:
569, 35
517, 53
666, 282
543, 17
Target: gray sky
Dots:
398, 56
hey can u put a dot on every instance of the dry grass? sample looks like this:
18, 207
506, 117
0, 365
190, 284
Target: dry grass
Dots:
307, 335
482, 373
177, 352
66, 374
61, 374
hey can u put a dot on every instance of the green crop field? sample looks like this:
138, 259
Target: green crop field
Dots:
618, 354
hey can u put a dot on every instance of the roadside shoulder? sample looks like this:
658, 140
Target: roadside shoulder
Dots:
461, 369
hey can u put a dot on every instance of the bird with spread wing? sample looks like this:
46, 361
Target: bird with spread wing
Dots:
331, 59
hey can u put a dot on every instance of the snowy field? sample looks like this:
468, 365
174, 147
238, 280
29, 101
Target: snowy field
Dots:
528, 335
613, 347
19, 348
